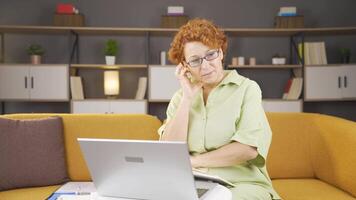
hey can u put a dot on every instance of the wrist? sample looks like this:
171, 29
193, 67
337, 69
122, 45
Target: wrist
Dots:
195, 161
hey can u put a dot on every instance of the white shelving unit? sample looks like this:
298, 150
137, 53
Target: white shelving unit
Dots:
161, 80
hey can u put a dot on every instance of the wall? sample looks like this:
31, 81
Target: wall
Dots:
143, 13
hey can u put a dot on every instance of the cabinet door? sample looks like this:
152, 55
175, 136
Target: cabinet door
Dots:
49, 82
14, 82
128, 107
163, 83
323, 83
99, 107
349, 81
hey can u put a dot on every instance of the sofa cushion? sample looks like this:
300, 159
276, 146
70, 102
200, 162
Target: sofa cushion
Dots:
308, 189
112, 126
31, 153
35, 193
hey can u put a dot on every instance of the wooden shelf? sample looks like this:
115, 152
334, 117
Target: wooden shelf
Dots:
332, 65
290, 31
159, 100
104, 99
331, 100
171, 31
284, 100
264, 66
267, 99
103, 66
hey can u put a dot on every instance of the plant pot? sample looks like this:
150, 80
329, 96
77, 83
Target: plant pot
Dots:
35, 59
278, 61
110, 60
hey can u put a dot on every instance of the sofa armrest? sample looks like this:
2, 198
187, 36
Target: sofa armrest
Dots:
333, 152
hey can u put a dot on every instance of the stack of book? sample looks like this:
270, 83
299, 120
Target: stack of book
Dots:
314, 53
288, 18
287, 11
67, 15
293, 88
174, 18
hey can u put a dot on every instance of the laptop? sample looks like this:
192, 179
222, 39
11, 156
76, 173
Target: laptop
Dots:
142, 169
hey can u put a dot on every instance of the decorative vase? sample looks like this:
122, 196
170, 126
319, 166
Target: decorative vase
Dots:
110, 60
35, 59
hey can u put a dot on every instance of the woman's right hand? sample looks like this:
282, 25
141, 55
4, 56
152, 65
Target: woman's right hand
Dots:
189, 88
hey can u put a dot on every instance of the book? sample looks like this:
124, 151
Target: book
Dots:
76, 88
286, 89
290, 9
324, 58
295, 89
141, 89
199, 175
314, 53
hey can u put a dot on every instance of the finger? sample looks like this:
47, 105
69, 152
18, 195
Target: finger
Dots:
182, 72
178, 69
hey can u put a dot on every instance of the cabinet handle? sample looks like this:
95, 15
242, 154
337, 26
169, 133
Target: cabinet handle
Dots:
32, 82
345, 81
26, 82
339, 81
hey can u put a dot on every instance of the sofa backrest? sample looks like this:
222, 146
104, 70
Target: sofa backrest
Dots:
97, 126
333, 152
289, 154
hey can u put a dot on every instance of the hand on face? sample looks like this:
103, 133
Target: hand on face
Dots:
189, 88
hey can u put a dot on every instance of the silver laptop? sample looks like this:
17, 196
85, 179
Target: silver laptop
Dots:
137, 169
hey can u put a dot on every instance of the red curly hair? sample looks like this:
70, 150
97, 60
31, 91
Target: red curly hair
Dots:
200, 30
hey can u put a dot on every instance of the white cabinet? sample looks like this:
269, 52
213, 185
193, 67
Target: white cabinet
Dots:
282, 105
34, 82
349, 81
14, 82
330, 82
110, 106
163, 83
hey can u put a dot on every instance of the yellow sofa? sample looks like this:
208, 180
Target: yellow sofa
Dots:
311, 156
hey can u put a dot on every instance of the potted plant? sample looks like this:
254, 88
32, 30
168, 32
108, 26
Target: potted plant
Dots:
35, 51
345, 55
111, 49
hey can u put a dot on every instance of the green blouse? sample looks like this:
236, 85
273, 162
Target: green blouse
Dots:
233, 112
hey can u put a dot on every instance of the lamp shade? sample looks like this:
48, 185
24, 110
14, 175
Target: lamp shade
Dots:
111, 83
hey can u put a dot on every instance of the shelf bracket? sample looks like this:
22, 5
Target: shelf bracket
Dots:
2, 47
294, 46
75, 48
2, 107
295, 51
2, 60
148, 46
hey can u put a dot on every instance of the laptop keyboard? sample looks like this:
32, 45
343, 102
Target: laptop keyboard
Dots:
201, 192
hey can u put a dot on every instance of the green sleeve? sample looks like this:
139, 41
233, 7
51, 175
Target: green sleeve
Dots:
171, 110
250, 126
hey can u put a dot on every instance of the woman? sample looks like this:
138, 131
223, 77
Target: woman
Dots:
219, 113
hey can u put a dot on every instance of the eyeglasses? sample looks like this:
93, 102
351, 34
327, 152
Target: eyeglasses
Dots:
211, 55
